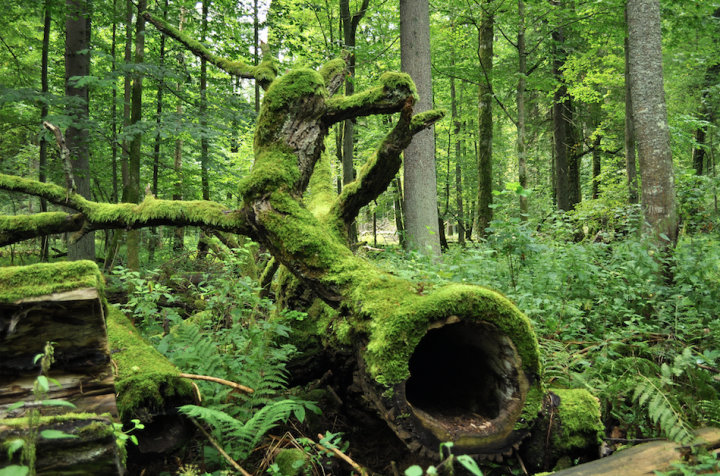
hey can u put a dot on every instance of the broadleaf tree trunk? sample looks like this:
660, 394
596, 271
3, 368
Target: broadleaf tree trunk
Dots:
421, 217
133, 196
77, 63
485, 133
42, 165
650, 116
521, 111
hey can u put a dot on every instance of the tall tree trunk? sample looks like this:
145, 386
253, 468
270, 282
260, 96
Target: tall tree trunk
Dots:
204, 145
521, 112
706, 112
77, 63
350, 23
154, 239
596, 167
574, 152
256, 43
560, 126
113, 110
42, 176
630, 167
133, 236
127, 98
485, 132
399, 215
458, 165
179, 237
421, 218
650, 115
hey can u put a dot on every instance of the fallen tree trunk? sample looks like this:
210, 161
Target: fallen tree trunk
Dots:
644, 459
458, 363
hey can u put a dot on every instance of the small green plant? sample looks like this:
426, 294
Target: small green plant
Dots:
446, 464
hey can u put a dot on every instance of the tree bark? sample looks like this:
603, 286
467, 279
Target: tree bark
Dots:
77, 63
179, 236
560, 126
349, 28
596, 168
42, 176
485, 121
521, 112
133, 196
421, 219
630, 162
458, 165
650, 116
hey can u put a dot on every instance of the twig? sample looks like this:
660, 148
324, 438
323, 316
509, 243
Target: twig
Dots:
343, 457
711, 369
197, 393
322, 380
522, 465
219, 448
394, 468
332, 392
220, 381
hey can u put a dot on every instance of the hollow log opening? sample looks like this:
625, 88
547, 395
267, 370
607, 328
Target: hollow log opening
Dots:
466, 382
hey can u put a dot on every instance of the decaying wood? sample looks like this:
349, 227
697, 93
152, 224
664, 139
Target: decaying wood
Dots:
90, 452
643, 459
74, 321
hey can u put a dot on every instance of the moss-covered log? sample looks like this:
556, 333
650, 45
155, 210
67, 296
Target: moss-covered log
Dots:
90, 449
149, 388
457, 363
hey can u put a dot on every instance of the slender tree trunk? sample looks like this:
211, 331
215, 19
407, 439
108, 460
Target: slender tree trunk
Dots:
256, 43
421, 218
350, 23
133, 236
560, 126
204, 145
399, 215
42, 166
650, 115
574, 151
521, 112
485, 132
154, 239
127, 91
458, 165
706, 112
113, 110
179, 237
596, 167
630, 167
77, 63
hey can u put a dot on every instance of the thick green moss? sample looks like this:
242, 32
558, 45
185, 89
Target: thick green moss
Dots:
31, 222
18, 282
291, 461
49, 420
580, 425
145, 378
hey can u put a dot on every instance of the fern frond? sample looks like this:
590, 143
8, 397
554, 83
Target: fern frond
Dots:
662, 410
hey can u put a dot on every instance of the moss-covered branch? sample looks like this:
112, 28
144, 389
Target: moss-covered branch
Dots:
101, 216
265, 73
377, 173
14, 229
387, 98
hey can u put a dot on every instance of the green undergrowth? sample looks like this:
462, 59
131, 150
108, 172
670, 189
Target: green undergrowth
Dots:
608, 318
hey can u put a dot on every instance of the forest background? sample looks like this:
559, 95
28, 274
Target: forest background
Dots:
564, 244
